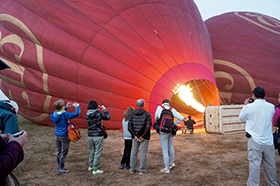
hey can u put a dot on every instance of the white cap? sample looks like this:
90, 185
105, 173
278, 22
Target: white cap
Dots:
13, 104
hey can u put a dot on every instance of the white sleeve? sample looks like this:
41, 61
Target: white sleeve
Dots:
177, 115
243, 114
158, 112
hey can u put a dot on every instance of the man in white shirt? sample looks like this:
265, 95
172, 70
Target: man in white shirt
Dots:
166, 139
258, 116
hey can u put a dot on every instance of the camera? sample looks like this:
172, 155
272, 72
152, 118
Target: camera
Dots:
250, 100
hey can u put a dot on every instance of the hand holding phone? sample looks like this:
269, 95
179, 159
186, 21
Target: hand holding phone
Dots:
102, 107
15, 135
21, 137
76, 104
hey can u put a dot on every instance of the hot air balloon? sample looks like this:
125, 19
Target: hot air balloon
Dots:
3, 65
246, 54
113, 52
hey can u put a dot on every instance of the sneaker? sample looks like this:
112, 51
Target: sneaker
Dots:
141, 173
132, 171
172, 165
90, 168
121, 166
63, 170
97, 172
165, 170
126, 167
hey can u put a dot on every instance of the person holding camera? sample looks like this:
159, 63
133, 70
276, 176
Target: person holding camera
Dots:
94, 119
60, 118
258, 116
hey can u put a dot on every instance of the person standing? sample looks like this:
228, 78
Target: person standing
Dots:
276, 116
125, 162
11, 152
258, 116
166, 139
94, 119
139, 125
276, 121
189, 124
60, 118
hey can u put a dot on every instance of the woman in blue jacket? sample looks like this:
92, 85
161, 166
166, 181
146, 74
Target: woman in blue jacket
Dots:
60, 118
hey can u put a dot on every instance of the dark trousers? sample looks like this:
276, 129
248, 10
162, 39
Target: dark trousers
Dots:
126, 153
62, 145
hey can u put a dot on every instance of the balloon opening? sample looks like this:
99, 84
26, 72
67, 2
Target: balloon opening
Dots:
192, 97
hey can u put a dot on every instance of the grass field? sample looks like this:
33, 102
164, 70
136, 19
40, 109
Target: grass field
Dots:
201, 160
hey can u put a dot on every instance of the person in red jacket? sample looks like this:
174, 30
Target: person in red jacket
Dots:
11, 153
276, 116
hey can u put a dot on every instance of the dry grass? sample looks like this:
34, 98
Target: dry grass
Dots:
201, 160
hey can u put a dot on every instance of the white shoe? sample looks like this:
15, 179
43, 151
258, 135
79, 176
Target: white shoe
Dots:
90, 168
97, 172
172, 165
165, 170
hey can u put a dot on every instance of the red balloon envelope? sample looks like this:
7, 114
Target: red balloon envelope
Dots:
111, 51
246, 54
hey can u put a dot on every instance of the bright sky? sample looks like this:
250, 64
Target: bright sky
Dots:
210, 8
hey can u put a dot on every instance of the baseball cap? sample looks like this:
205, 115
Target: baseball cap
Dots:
12, 104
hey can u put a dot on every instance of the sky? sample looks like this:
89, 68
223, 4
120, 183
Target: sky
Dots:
210, 8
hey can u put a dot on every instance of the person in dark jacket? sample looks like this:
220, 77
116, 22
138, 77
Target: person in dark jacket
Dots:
189, 124
11, 154
139, 125
94, 119
60, 118
8, 122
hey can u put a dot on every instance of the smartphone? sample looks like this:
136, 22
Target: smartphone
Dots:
17, 134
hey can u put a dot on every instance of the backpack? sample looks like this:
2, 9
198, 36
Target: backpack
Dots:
73, 132
166, 120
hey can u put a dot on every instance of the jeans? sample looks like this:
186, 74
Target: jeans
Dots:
127, 151
166, 141
62, 146
96, 147
143, 154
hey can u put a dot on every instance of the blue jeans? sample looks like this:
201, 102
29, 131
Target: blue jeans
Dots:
62, 146
166, 141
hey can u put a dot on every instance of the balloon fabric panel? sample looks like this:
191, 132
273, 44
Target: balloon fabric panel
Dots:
245, 51
110, 51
